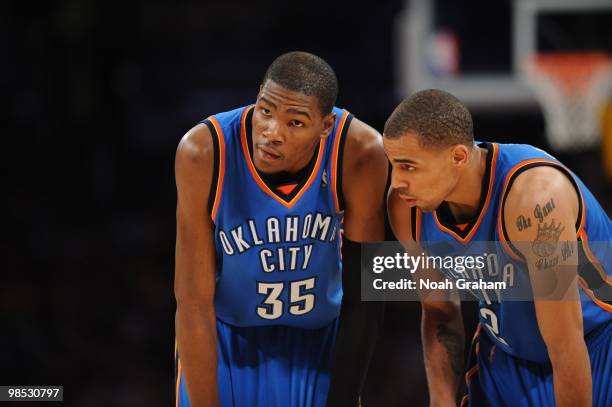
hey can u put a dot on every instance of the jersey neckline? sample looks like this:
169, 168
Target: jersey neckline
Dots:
444, 219
286, 200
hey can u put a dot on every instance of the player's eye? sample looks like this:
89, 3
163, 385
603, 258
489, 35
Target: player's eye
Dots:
296, 123
265, 112
406, 167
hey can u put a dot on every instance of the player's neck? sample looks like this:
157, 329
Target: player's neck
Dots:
296, 173
464, 201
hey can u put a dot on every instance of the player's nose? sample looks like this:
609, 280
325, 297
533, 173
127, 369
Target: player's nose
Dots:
397, 182
273, 133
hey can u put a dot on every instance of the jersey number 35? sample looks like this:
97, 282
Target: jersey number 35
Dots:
300, 301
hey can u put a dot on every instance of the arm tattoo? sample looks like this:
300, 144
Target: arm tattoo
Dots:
540, 212
451, 340
523, 222
547, 238
547, 262
567, 250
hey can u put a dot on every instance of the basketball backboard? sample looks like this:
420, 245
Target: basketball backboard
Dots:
475, 49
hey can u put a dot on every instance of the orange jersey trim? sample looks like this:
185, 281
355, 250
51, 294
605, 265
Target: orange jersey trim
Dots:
484, 208
219, 190
287, 189
500, 231
335, 154
178, 383
589, 292
478, 328
591, 257
470, 373
533, 161
257, 178
594, 261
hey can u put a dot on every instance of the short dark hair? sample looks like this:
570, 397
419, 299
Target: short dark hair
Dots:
306, 73
438, 118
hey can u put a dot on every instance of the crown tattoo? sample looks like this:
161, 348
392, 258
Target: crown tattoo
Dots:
547, 238
550, 232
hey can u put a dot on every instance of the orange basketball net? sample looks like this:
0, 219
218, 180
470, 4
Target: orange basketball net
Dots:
572, 72
572, 89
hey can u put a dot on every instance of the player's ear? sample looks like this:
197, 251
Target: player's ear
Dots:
328, 124
460, 155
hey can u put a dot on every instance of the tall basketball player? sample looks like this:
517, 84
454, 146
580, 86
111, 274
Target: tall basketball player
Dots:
449, 191
263, 194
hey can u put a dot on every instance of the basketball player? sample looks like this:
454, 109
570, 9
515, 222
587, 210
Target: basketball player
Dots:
263, 193
448, 190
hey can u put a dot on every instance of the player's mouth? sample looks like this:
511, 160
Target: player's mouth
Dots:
268, 154
411, 201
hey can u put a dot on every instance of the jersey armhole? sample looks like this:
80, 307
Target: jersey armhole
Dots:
510, 182
216, 181
340, 160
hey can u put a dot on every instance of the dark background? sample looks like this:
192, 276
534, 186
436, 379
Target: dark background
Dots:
96, 95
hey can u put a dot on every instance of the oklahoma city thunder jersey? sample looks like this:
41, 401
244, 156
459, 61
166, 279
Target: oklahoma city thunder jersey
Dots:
278, 255
512, 325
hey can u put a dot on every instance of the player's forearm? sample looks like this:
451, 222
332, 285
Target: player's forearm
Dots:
197, 342
572, 374
443, 344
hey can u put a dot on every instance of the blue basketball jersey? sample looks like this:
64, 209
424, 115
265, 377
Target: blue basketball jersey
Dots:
512, 325
499, 379
278, 255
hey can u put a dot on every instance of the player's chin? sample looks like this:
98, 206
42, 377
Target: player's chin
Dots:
269, 167
427, 206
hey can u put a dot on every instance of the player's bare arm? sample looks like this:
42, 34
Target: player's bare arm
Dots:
194, 283
540, 216
441, 322
364, 178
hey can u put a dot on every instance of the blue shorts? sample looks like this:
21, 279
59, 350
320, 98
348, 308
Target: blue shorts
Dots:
500, 379
270, 366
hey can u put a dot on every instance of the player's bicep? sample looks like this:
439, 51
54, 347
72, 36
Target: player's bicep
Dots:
195, 250
364, 180
540, 217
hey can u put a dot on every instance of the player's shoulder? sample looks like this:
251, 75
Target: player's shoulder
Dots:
539, 190
194, 164
540, 182
196, 146
363, 145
